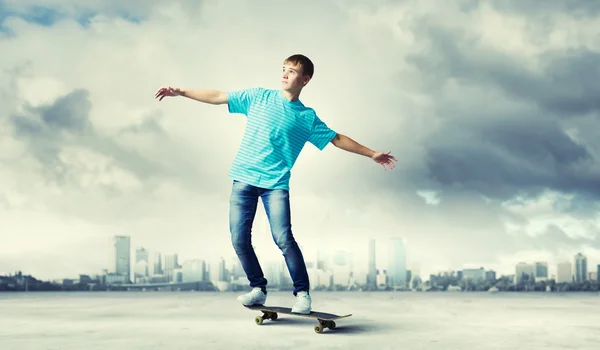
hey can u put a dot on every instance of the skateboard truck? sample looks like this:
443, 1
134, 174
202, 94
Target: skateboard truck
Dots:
266, 316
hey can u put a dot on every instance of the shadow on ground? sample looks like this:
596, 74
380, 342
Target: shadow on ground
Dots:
348, 327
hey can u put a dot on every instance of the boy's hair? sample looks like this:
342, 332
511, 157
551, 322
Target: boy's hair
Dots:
307, 66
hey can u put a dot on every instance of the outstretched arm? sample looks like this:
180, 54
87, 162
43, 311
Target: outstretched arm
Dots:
214, 97
347, 144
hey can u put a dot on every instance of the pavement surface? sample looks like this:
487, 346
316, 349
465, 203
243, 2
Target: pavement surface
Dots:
380, 320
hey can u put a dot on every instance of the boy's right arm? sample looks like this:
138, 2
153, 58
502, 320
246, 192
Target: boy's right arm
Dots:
215, 97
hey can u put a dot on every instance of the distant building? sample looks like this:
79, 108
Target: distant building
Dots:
580, 268
236, 269
541, 270
122, 250
177, 276
474, 274
157, 264
171, 263
115, 278
372, 269
396, 271
524, 271
592, 276
341, 268
141, 271
223, 275
273, 274
141, 264
490, 275
382, 279
193, 271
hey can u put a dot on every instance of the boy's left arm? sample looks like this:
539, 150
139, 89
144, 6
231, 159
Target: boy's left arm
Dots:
347, 144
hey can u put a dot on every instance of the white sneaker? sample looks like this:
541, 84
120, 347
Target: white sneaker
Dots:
303, 302
254, 297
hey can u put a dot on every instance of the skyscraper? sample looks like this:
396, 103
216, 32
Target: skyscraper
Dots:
141, 264
541, 270
580, 268
396, 262
222, 270
524, 271
193, 270
171, 263
141, 254
372, 270
122, 261
157, 264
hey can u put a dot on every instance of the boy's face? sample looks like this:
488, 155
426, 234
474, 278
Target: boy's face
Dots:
292, 79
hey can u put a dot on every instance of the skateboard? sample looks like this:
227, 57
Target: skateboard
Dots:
326, 320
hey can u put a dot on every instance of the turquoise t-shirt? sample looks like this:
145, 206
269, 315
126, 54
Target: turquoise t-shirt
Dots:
276, 132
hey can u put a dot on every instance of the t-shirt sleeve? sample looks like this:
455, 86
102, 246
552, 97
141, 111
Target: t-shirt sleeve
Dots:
321, 134
240, 101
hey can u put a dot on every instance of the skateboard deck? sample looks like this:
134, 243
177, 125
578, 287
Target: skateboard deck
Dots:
326, 320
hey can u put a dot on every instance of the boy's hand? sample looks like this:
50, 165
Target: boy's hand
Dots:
167, 91
384, 159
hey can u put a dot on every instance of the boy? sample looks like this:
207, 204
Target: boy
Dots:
278, 126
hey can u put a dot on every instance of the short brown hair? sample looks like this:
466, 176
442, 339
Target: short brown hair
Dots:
307, 66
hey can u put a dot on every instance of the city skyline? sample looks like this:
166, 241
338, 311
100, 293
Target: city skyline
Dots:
167, 264
168, 268
490, 108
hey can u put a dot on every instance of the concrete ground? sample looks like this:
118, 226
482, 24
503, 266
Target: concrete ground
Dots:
198, 320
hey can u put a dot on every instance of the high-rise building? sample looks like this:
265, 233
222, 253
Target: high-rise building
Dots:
122, 246
141, 262
396, 271
274, 274
580, 268
141, 254
524, 272
222, 270
541, 270
171, 263
372, 269
342, 263
194, 271
157, 264
236, 268
474, 274
564, 272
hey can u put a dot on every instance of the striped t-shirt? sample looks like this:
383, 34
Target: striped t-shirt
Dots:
276, 132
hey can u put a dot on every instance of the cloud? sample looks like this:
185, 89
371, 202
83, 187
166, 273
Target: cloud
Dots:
489, 109
576, 8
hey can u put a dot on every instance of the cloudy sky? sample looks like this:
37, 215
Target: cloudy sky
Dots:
491, 108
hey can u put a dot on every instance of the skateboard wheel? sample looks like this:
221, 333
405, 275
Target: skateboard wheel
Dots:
331, 325
258, 320
318, 328
274, 316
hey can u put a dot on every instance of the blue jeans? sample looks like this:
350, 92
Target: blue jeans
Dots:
242, 210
